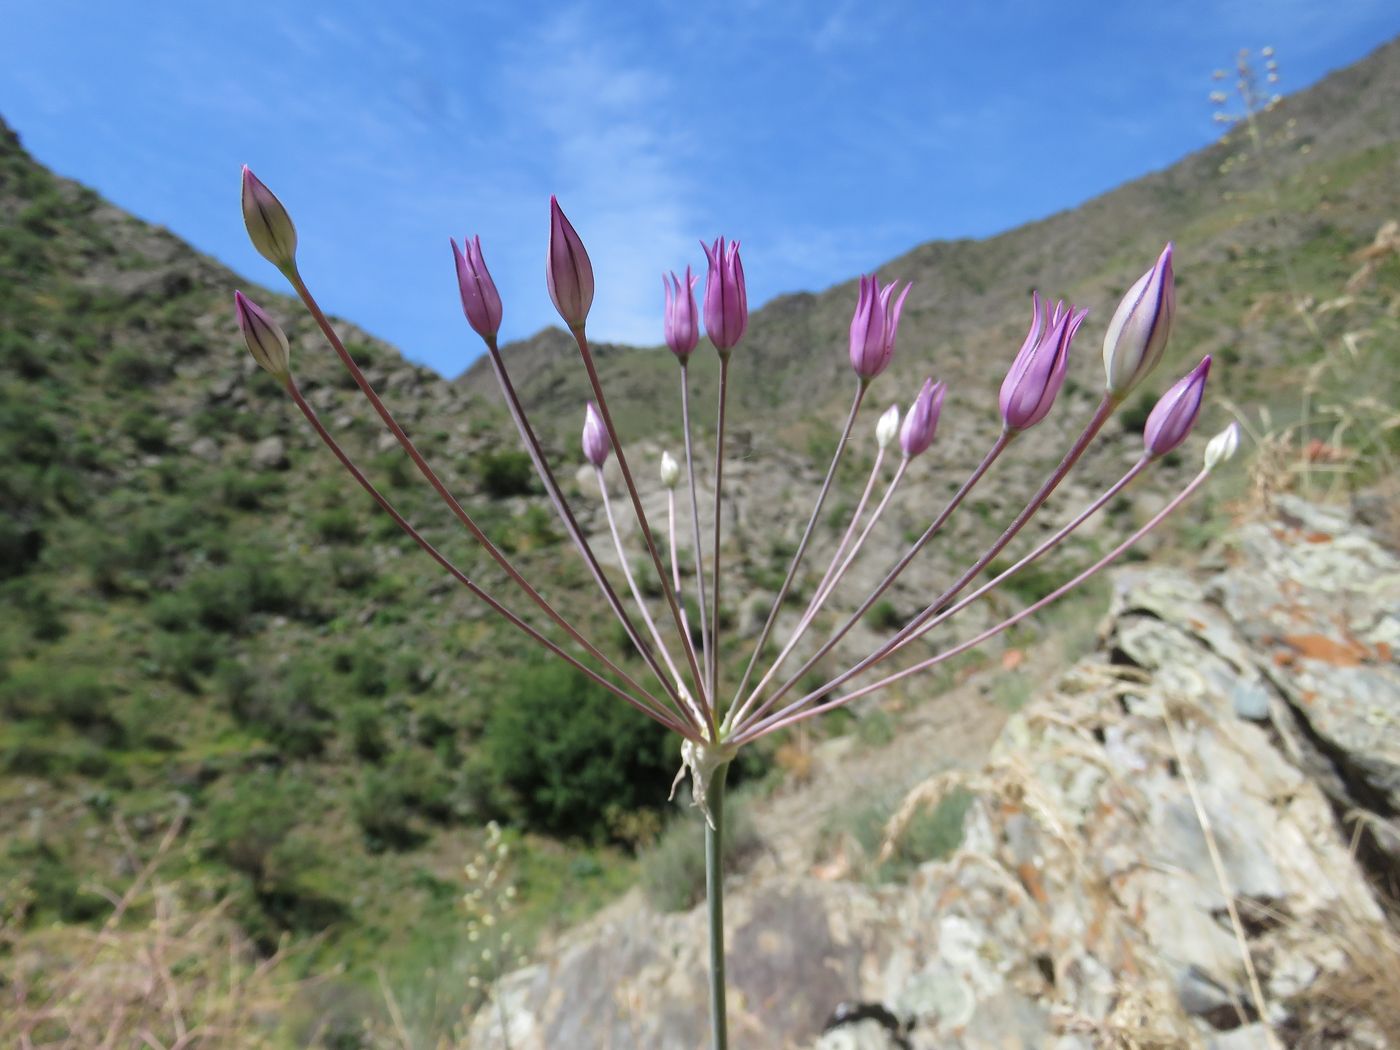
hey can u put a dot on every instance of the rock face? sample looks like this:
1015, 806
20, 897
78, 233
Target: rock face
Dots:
1158, 853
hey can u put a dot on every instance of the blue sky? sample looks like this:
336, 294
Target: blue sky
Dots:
828, 137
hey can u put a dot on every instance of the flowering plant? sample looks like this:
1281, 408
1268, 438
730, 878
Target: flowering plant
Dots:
684, 692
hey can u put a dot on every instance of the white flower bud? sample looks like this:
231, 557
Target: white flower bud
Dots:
1222, 446
670, 470
888, 426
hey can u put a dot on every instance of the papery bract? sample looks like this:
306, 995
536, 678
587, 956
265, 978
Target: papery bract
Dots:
921, 421
1175, 413
726, 299
265, 338
269, 226
682, 320
480, 300
1138, 331
569, 272
596, 445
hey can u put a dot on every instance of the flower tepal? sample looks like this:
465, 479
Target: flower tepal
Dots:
265, 338
1175, 412
682, 322
1138, 332
596, 445
726, 299
269, 226
1038, 372
569, 272
874, 325
480, 300
921, 421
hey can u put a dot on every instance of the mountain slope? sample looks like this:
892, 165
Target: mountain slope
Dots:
199, 614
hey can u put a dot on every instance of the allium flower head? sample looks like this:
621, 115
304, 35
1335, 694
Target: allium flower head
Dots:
1038, 372
726, 299
874, 326
921, 422
887, 426
480, 300
266, 340
269, 226
596, 445
1138, 332
682, 322
569, 272
1175, 412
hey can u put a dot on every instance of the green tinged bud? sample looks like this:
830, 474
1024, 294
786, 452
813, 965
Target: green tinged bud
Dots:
269, 226
266, 340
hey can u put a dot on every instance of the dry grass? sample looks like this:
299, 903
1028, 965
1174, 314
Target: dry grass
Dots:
156, 975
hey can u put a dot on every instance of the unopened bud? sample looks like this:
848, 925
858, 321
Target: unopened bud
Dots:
1137, 334
1222, 446
265, 338
269, 226
887, 426
921, 422
670, 470
569, 272
596, 445
1175, 412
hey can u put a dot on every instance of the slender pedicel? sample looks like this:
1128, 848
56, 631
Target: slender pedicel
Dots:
998, 447
670, 476
824, 593
769, 725
431, 475
581, 339
846, 536
796, 562
566, 516
705, 640
656, 713
713, 653
696, 716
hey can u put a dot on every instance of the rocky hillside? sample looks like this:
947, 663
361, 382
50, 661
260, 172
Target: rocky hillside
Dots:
1181, 838
202, 624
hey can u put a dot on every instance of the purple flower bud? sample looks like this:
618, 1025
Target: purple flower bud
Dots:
596, 445
480, 300
1175, 412
921, 421
874, 326
682, 323
726, 299
266, 340
1137, 334
269, 226
569, 273
1038, 372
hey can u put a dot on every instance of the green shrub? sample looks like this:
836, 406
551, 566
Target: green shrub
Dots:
568, 752
245, 826
931, 835
506, 473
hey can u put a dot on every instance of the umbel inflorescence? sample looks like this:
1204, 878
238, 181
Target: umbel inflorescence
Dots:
682, 688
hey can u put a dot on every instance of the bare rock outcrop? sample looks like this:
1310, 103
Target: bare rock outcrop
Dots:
1177, 845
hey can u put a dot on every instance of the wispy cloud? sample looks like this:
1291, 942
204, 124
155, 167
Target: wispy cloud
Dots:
601, 118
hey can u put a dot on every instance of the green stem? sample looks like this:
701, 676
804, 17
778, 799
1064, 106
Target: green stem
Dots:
714, 897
